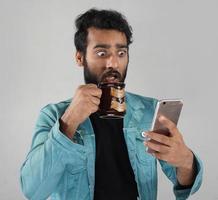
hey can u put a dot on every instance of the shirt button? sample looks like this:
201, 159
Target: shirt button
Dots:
143, 134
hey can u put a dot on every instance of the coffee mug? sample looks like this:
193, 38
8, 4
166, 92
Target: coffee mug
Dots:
112, 103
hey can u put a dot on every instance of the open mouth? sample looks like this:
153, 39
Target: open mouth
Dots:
111, 77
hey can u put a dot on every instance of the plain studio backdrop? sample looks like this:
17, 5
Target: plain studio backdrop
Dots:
174, 54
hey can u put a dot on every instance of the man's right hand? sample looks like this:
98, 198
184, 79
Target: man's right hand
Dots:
85, 102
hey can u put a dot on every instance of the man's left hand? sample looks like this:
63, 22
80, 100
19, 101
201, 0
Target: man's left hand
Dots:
172, 148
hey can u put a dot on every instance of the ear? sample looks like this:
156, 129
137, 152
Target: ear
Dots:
79, 58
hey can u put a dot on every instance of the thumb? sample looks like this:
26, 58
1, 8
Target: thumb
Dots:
168, 124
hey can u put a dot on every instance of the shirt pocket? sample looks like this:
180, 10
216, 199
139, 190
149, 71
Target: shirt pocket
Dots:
74, 176
78, 185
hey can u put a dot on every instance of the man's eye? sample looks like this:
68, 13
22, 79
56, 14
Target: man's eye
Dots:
122, 53
101, 53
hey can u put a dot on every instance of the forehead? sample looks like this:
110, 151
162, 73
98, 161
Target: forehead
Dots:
104, 36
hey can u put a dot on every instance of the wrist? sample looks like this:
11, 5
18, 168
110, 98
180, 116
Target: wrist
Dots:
68, 124
188, 161
186, 173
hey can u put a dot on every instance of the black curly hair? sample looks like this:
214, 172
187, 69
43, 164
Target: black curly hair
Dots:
101, 19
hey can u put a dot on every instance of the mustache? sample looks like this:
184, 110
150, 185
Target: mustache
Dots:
110, 72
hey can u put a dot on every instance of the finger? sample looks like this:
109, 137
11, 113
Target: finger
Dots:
95, 100
168, 124
91, 85
159, 138
159, 156
96, 92
92, 108
157, 147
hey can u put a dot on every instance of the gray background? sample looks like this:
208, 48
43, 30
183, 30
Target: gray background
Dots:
174, 54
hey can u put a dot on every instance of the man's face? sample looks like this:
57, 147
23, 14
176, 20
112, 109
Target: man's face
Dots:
106, 50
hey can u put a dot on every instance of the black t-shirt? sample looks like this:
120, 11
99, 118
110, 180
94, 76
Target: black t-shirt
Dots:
114, 177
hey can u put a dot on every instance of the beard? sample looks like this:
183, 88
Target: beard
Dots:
90, 77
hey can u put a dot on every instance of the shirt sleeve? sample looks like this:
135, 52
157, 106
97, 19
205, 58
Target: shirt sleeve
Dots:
50, 153
181, 192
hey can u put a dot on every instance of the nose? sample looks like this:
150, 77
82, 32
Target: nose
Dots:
112, 62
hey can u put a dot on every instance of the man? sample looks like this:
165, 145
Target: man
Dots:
76, 155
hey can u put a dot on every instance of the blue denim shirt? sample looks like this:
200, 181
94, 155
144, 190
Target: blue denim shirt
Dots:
65, 169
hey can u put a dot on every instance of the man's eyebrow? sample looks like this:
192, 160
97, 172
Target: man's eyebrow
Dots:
122, 46
107, 46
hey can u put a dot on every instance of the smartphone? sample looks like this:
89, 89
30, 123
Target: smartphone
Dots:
170, 108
